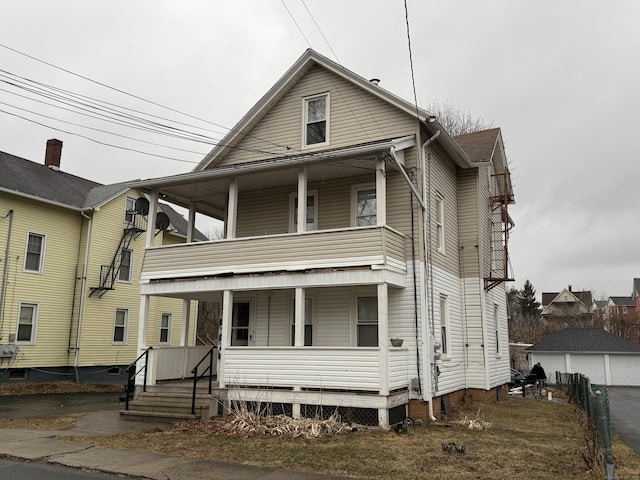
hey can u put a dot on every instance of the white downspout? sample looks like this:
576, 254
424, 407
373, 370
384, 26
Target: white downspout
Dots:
82, 288
427, 255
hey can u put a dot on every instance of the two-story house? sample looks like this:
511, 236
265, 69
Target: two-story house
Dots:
351, 218
70, 258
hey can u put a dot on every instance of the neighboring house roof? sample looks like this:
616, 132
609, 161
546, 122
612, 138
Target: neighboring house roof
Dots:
180, 224
29, 179
600, 303
585, 340
622, 301
103, 193
584, 297
636, 288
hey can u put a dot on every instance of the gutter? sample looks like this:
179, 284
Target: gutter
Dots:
5, 271
82, 292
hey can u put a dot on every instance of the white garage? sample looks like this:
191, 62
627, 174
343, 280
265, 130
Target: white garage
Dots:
605, 358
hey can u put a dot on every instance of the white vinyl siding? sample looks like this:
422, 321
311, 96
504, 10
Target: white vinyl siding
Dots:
34, 254
121, 326
27, 323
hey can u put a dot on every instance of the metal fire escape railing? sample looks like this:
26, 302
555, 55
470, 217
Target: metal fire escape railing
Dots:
109, 273
501, 225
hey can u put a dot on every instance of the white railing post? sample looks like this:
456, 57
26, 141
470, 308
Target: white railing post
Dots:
383, 337
225, 340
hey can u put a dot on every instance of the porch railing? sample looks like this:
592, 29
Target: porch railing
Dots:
132, 373
197, 376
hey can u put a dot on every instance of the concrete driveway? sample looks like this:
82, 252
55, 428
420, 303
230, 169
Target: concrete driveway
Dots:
624, 403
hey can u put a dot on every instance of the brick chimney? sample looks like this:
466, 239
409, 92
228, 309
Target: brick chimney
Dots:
53, 154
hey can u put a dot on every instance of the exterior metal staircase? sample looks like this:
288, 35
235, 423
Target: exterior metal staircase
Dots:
109, 273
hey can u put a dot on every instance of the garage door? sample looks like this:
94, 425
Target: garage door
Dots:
551, 364
590, 365
625, 369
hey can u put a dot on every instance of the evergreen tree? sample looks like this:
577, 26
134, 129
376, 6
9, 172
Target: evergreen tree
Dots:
529, 307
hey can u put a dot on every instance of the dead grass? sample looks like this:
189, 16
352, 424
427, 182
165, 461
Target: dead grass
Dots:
527, 439
58, 422
32, 388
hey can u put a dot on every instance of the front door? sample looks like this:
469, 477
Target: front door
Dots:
240, 324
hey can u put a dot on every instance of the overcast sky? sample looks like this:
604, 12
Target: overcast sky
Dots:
559, 77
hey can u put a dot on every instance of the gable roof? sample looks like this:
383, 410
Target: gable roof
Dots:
308, 60
584, 340
479, 146
623, 301
584, 297
34, 180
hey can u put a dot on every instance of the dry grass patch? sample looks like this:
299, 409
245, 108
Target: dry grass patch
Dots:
58, 422
32, 388
526, 439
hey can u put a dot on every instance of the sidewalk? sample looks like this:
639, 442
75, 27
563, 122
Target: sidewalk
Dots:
41, 446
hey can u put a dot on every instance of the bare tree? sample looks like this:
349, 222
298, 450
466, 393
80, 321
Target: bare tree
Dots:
457, 121
215, 231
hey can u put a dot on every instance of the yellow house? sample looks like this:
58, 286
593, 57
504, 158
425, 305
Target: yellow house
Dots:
71, 253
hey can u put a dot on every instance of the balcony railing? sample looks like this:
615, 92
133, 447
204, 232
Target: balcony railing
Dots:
377, 247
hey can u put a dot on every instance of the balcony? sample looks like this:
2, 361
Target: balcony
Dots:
375, 251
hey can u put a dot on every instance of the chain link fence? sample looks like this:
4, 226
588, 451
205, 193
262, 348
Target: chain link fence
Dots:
594, 401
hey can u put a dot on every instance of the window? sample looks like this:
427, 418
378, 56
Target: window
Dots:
240, 323
365, 206
316, 118
440, 223
129, 210
35, 252
124, 274
444, 325
121, 326
367, 325
496, 322
308, 325
165, 328
312, 211
27, 320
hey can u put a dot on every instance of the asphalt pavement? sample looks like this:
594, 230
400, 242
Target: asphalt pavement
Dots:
623, 407
49, 446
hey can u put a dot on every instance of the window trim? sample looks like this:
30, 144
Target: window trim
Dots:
41, 253
305, 123
355, 189
34, 322
440, 223
130, 276
498, 330
445, 328
293, 214
164, 315
124, 327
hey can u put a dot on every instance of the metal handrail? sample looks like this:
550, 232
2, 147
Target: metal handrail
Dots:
131, 375
197, 377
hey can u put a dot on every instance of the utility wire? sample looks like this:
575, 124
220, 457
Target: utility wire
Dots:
413, 79
320, 30
294, 21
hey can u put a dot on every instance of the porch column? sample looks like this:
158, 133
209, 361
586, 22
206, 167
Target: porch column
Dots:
232, 209
186, 317
299, 317
151, 218
225, 336
143, 321
191, 222
381, 193
383, 342
302, 200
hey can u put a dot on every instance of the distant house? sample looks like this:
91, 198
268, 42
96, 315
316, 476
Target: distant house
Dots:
568, 307
620, 307
70, 257
364, 257
606, 358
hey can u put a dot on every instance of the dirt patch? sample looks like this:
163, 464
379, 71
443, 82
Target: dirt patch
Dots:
33, 388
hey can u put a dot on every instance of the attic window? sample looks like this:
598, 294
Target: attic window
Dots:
316, 119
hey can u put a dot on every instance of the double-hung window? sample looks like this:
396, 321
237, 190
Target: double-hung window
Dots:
165, 328
312, 212
126, 263
129, 211
367, 321
496, 322
440, 240
316, 120
120, 326
444, 325
365, 206
33, 258
308, 322
27, 321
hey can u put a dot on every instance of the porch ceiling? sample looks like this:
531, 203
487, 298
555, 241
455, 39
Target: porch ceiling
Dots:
208, 189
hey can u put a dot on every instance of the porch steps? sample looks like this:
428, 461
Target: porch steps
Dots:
169, 406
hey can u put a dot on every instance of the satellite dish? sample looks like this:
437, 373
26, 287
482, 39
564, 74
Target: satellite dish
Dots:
162, 221
141, 206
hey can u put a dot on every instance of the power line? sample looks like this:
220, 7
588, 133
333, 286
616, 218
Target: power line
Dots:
294, 21
413, 80
320, 30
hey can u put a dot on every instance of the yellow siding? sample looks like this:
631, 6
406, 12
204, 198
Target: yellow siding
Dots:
355, 117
